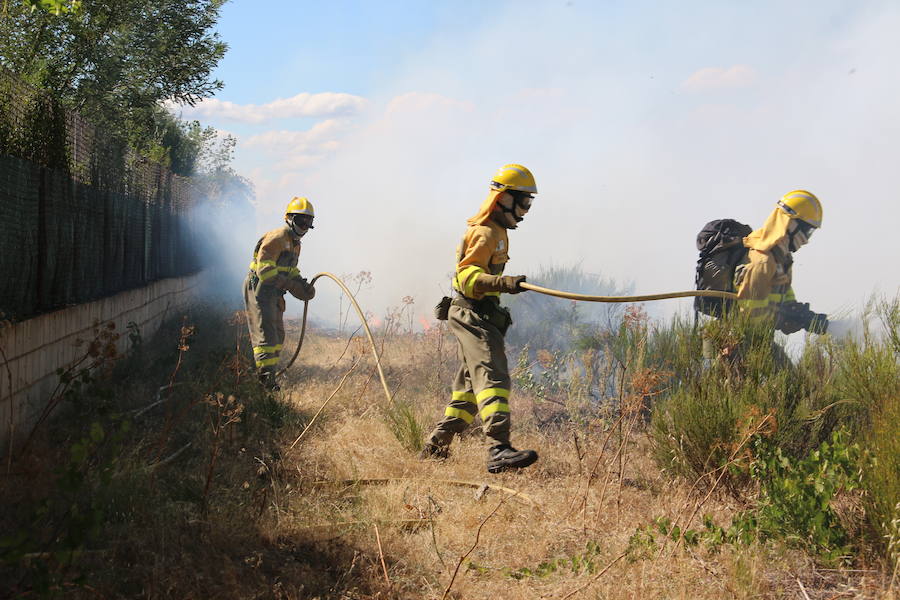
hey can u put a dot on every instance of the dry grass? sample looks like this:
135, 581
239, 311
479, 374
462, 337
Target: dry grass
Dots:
283, 522
427, 524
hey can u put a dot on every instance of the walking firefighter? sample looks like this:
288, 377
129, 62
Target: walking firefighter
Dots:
274, 272
479, 322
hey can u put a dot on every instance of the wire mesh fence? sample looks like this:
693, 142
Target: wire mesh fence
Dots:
81, 215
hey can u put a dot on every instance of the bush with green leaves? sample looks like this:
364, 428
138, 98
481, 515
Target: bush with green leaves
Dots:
699, 424
795, 502
796, 495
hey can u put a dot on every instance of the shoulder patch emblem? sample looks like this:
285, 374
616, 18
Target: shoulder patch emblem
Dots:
501, 245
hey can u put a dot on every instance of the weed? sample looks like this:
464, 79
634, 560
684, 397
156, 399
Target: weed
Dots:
404, 424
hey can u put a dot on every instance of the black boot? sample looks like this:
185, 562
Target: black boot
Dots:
268, 381
434, 451
504, 456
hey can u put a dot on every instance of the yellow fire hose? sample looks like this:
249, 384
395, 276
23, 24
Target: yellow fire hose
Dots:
645, 298
525, 285
362, 318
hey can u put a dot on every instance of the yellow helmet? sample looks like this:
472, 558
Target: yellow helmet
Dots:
513, 177
802, 205
299, 206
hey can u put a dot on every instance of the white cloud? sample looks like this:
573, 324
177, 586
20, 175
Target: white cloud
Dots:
294, 150
276, 141
326, 104
716, 78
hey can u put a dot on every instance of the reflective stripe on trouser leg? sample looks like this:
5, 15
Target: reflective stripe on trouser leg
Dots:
458, 415
493, 407
485, 369
265, 320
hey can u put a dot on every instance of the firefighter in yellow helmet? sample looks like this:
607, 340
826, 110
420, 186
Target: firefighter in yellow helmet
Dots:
273, 273
479, 322
763, 279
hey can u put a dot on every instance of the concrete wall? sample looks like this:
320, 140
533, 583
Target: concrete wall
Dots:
32, 351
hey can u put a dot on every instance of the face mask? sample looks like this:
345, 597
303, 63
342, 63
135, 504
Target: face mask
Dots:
300, 224
512, 208
800, 235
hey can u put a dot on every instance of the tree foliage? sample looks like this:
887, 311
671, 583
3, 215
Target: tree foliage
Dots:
116, 61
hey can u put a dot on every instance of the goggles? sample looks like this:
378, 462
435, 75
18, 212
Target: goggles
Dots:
302, 221
805, 228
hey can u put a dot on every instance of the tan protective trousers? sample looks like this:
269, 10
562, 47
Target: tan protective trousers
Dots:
482, 382
265, 319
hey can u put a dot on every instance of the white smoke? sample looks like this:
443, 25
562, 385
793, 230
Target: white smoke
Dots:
641, 123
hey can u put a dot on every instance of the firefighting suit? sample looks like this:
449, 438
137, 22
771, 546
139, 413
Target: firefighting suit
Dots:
762, 280
273, 272
482, 383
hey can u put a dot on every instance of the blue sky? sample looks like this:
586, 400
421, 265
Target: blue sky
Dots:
640, 120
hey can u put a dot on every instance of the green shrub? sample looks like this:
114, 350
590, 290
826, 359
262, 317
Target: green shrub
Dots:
796, 494
869, 378
699, 425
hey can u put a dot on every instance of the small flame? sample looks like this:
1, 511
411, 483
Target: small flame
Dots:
425, 323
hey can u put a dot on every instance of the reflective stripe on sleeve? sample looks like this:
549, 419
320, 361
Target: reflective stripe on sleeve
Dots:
491, 392
459, 414
267, 362
465, 280
750, 303
497, 407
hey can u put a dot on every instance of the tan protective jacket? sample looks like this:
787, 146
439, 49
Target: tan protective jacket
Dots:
763, 280
275, 259
484, 249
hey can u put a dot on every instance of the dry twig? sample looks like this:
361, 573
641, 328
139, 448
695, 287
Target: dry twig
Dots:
381, 555
477, 538
321, 408
802, 589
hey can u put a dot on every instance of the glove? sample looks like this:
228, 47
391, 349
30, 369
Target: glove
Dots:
301, 289
818, 324
507, 284
512, 284
792, 317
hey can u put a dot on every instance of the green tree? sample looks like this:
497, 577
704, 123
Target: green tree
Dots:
115, 61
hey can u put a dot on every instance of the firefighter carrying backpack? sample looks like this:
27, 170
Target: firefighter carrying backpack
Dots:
721, 249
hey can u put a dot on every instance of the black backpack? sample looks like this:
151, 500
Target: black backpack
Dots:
721, 250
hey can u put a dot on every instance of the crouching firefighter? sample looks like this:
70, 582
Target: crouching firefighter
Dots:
475, 317
274, 272
758, 266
